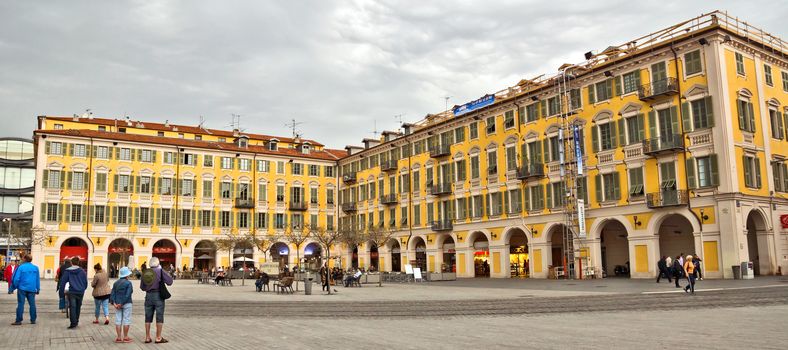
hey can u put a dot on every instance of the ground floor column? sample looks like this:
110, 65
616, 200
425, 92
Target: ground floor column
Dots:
541, 257
644, 255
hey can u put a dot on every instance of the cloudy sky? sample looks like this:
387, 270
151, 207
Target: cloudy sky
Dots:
336, 66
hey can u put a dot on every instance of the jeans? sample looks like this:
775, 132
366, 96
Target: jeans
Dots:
21, 296
691, 285
102, 304
62, 303
74, 307
153, 303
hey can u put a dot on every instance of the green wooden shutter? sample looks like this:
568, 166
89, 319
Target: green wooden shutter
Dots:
747, 175
546, 149
783, 127
751, 115
609, 87
674, 119
622, 135
193, 217
686, 119
46, 179
62, 179
84, 212
617, 185
158, 216
777, 169
595, 138
86, 180
213, 218
159, 184
549, 195
541, 196
68, 212
691, 182
136, 214
543, 108
715, 174
43, 212
591, 97
115, 183
598, 189
709, 111
70, 148
538, 155
527, 201
652, 124
47, 147
617, 81
757, 172
641, 126
114, 214
740, 110
60, 209
137, 184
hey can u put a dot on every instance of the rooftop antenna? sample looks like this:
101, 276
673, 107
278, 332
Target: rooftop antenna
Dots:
398, 117
236, 123
202, 122
293, 124
375, 128
446, 101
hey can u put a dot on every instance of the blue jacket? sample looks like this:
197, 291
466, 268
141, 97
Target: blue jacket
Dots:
76, 278
26, 278
121, 292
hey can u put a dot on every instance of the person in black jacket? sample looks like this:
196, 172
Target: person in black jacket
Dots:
678, 270
662, 265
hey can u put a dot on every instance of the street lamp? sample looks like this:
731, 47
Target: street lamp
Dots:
8, 239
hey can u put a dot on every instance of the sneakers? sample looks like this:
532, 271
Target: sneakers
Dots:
16, 324
72, 326
32, 322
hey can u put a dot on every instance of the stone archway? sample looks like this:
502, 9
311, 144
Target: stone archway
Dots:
374, 254
165, 250
280, 253
243, 255
480, 246
420, 250
313, 256
675, 236
75, 247
204, 255
519, 258
448, 253
119, 254
614, 242
395, 253
757, 243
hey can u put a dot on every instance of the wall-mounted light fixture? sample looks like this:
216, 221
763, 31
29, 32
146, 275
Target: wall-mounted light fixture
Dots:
608, 73
635, 219
703, 41
534, 232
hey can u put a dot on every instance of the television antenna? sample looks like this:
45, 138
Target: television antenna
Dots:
236, 123
202, 122
446, 102
375, 128
399, 119
293, 124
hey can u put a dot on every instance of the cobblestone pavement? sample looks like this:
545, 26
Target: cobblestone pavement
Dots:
727, 316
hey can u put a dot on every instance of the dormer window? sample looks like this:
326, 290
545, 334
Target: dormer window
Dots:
305, 148
242, 141
272, 145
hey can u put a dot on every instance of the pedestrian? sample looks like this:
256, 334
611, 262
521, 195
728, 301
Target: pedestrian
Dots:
77, 281
152, 282
669, 264
144, 266
8, 274
324, 276
58, 274
28, 284
681, 259
678, 270
663, 269
120, 297
689, 267
101, 292
697, 261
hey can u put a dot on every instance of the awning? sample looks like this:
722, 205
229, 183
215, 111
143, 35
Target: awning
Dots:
242, 258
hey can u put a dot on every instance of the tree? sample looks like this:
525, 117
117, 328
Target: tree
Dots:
226, 243
261, 241
296, 237
380, 236
327, 238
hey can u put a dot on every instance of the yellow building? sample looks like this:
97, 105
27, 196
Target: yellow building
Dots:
683, 136
119, 191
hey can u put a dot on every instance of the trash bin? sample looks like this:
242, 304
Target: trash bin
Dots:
736, 272
308, 286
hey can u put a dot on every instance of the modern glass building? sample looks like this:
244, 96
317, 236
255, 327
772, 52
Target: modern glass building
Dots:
17, 180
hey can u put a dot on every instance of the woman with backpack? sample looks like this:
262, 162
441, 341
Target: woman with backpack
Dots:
101, 293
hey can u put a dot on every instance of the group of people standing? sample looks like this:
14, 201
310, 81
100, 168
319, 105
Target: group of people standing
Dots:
681, 267
72, 282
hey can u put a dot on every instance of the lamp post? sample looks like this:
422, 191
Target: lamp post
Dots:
8, 239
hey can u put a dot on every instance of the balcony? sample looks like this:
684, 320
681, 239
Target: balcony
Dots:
244, 203
388, 198
440, 151
657, 89
663, 144
442, 225
298, 206
349, 207
530, 171
349, 178
388, 165
441, 188
667, 198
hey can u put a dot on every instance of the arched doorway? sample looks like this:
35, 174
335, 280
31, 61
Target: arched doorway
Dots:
374, 263
354, 257
481, 255
757, 249
75, 247
675, 236
280, 253
243, 254
205, 255
118, 255
421, 254
615, 249
165, 250
313, 256
396, 256
557, 247
449, 255
518, 254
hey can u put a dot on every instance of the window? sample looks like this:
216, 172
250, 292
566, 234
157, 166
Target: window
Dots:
607, 136
52, 212
780, 171
198, 137
746, 115
226, 163
53, 179
767, 72
226, 190
776, 119
207, 161
667, 173
515, 201
187, 187
279, 221
122, 215
78, 181
553, 106
575, 102
416, 181
122, 183
636, 188
100, 214
101, 182
102, 152
601, 91
752, 171
785, 80
607, 187
145, 186
459, 170
58, 126
169, 158
328, 171
262, 220
206, 218
511, 158
188, 159
146, 156
164, 216
417, 215
459, 134
536, 199
631, 81
330, 196
635, 129
692, 63
297, 168
705, 172
243, 219
143, 217
79, 150
477, 204
165, 186
207, 188
701, 114
125, 154
739, 64
224, 219
508, 119
280, 167
76, 213
245, 164
55, 148
474, 166
314, 170
272, 145
532, 112
492, 162
490, 125
280, 193
556, 194
313, 195
474, 130
160, 134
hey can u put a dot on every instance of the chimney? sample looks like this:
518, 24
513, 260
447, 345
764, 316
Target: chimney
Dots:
351, 150
390, 135
167, 123
408, 127
369, 143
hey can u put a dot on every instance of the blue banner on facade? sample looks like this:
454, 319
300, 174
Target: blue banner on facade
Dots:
578, 152
484, 101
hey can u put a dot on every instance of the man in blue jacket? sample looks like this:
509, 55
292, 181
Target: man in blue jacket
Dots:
77, 281
27, 281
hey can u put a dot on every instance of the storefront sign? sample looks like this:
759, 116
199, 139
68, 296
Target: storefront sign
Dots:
784, 220
164, 250
581, 218
484, 101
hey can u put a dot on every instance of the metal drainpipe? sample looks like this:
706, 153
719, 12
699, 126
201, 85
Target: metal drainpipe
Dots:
684, 152
177, 196
90, 178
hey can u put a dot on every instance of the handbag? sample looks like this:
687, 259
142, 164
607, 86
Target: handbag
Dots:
164, 294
